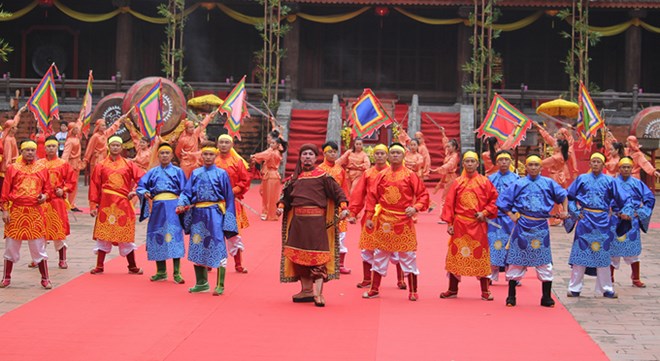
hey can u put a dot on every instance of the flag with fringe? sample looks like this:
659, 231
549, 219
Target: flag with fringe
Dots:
504, 122
150, 111
235, 108
43, 102
589, 119
367, 115
86, 110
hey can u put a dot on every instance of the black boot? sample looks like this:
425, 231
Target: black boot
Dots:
546, 300
132, 267
511, 298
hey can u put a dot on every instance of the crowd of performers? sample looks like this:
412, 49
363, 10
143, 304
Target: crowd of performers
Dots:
496, 222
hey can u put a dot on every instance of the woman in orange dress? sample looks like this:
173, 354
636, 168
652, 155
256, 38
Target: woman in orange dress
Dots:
270, 160
639, 159
570, 170
355, 161
414, 160
488, 156
72, 155
558, 171
614, 151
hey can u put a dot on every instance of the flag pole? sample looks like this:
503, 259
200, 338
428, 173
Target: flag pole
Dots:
547, 116
433, 121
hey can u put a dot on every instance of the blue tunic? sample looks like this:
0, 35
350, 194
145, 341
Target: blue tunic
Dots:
497, 238
207, 224
590, 197
164, 231
533, 198
643, 201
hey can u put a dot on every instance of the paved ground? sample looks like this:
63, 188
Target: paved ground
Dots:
627, 328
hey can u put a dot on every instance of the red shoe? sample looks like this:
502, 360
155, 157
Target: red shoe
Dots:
62, 264
487, 296
32, 265
45, 283
96, 270
5, 283
413, 296
135, 271
638, 283
449, 294
364, 284
370, 294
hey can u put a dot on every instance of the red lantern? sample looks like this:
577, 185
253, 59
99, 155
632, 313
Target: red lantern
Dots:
46, 3
382, 11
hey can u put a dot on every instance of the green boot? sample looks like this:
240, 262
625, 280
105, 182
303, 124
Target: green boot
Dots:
202, 284
161, 272
220, 287
177, 273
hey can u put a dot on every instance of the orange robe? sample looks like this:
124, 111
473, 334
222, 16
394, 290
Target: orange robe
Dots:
142, 155
240, 183
556, 167
469, 253
109, 185
396, 190
24, 182
339, 175
9, 146
489, 167
640, 162
414, 162
424, 151
355, 164
271, 185
97, 147
72, 155
189, 143
612, 157
563, 176
60, 175
365, 184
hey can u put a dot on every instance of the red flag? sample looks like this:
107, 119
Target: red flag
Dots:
43, 102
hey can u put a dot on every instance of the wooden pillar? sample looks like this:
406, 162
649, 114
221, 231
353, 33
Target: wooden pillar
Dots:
124, 45
633, 58
463, 50
292, 59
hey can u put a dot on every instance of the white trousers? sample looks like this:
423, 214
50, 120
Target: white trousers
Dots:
342, 247
516, 273
235, 244
603, 279
368, 256
124, 248
616, 261
407, 260
494, 273
59, 245
37, 249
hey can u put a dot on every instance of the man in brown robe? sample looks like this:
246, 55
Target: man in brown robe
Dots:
312, 203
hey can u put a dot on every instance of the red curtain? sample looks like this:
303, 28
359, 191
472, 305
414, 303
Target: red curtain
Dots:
307, 126
433, 137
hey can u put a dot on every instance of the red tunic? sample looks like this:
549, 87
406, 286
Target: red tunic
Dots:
109, 185
60, 175
365, 184
97, 148
339, 175
240, 183
396, 190
468, 253
24, 182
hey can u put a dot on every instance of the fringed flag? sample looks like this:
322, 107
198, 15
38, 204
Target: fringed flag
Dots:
367, 115
43, 102
589, 119
235, 108
86, 110
150, 112
504, 122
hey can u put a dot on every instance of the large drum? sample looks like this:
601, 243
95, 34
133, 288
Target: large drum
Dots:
646, 123
109, 108
174, 102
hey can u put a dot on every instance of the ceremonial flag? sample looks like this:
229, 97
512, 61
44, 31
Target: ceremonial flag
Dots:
589, 119
504, 122
43, 102
150, 112
367, 115
235, 108
86, 110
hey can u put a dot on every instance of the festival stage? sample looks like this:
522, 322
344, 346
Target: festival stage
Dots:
116, 316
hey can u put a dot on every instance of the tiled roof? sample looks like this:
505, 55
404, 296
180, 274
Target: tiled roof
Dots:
519, 3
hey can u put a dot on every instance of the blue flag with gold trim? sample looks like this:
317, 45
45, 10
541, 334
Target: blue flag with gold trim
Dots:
367, 115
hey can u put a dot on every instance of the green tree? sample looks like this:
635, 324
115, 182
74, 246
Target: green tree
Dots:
5, 48
171, 51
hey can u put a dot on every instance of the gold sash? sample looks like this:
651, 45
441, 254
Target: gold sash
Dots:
165, 196
220, 204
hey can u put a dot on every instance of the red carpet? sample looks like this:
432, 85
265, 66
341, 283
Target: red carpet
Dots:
433, 137
116, 316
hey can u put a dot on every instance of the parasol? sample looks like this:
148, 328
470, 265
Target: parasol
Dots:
559, 108
204, 100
